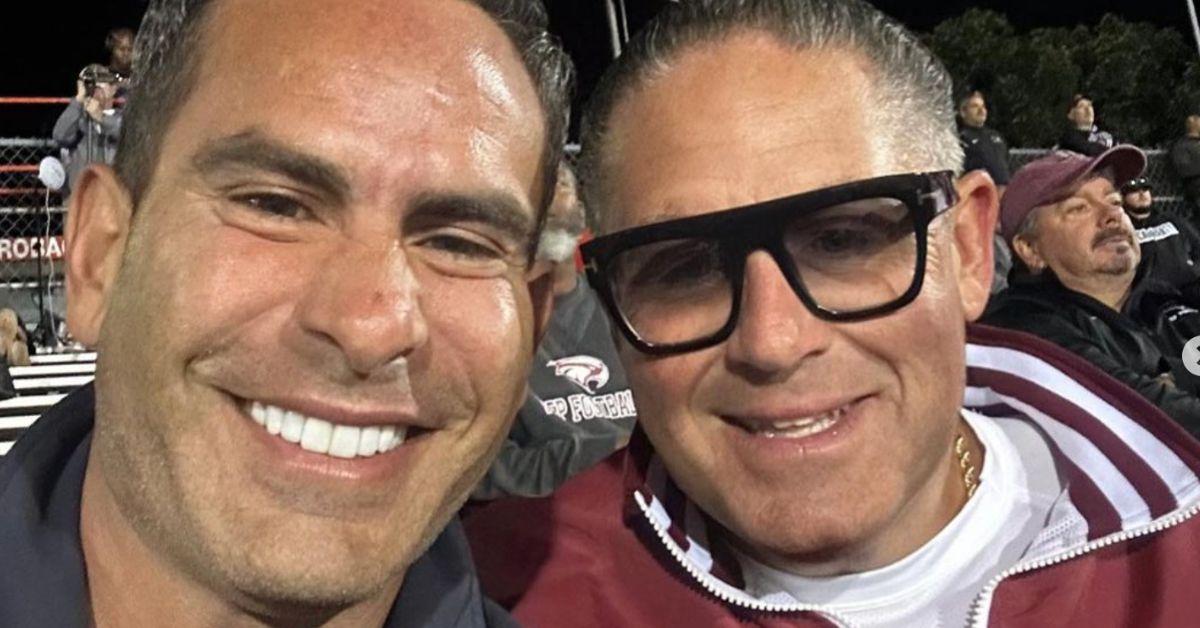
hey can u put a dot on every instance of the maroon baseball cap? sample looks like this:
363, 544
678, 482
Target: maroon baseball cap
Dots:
1053, 178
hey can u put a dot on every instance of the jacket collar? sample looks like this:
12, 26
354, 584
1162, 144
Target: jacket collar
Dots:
1124, 462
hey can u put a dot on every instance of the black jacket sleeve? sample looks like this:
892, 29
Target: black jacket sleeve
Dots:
1179, 405
1079, 143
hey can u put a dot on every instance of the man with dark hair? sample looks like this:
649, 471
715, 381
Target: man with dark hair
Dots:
311, 285
1185, 158
119, 43
1082, 135
792, 261
1083, 290
983, 147
89, 129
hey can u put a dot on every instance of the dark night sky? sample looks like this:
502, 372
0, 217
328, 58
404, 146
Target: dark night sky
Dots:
45, 42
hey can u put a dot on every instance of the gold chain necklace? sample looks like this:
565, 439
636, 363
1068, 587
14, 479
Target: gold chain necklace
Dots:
964, 462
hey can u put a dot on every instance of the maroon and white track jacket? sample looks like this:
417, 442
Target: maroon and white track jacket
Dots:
621, 545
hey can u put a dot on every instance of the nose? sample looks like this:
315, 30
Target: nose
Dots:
1110, 212
366, 303
775, 332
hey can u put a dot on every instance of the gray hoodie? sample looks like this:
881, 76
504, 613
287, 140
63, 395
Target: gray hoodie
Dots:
86, 140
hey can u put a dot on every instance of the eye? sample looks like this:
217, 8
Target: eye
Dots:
463, 247
673, 265
273, 205
847, 237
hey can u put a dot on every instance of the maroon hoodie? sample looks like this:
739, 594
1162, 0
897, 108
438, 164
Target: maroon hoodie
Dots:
621, 545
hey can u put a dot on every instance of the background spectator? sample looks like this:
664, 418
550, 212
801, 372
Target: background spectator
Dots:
1170, 245
1185, 157
1082, 134
984, 148
1064, 220
89, 128
119, 44
579, 408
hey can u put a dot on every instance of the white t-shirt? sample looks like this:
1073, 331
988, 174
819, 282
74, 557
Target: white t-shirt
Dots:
937, 584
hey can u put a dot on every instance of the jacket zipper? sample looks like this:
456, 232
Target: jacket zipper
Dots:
705, 579
976, 618
979, 610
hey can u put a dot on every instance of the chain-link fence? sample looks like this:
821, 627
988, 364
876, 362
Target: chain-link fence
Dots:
31, 227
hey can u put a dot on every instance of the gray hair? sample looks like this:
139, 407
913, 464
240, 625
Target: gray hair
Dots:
168, 53
913, 91
565, 222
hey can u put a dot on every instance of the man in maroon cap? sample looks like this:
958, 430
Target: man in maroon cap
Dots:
1078, 283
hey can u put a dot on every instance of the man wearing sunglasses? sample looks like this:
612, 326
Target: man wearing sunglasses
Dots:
824, 439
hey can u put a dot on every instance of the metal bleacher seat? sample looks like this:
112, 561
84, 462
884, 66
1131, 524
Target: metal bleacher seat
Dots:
39, 386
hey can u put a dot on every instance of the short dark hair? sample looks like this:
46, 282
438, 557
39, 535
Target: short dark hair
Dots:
1076, 99
915, 87
115, 36
962, 100
169, 53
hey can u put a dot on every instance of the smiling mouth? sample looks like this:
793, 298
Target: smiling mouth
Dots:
324, 437
794, 429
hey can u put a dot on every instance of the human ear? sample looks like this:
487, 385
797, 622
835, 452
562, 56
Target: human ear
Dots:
974, 230
96, 231
1026, 249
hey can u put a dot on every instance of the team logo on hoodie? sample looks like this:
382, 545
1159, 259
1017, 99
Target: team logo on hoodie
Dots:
584, 371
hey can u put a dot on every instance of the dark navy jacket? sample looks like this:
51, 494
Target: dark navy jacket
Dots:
42, 578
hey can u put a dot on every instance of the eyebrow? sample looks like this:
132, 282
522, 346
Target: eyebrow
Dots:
500, 211
252, 150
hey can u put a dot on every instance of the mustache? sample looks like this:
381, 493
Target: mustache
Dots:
1112, 232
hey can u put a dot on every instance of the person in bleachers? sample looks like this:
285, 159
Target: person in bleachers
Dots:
1079, 284
89, 129
579, 409
1082, 135
985, 149
1170, 244
119, 43
1185, 159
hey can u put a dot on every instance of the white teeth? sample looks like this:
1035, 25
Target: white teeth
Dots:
316, 437
324, 437
274, 420
368, 442
344, 443
259, 413
805, 427
293, 427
